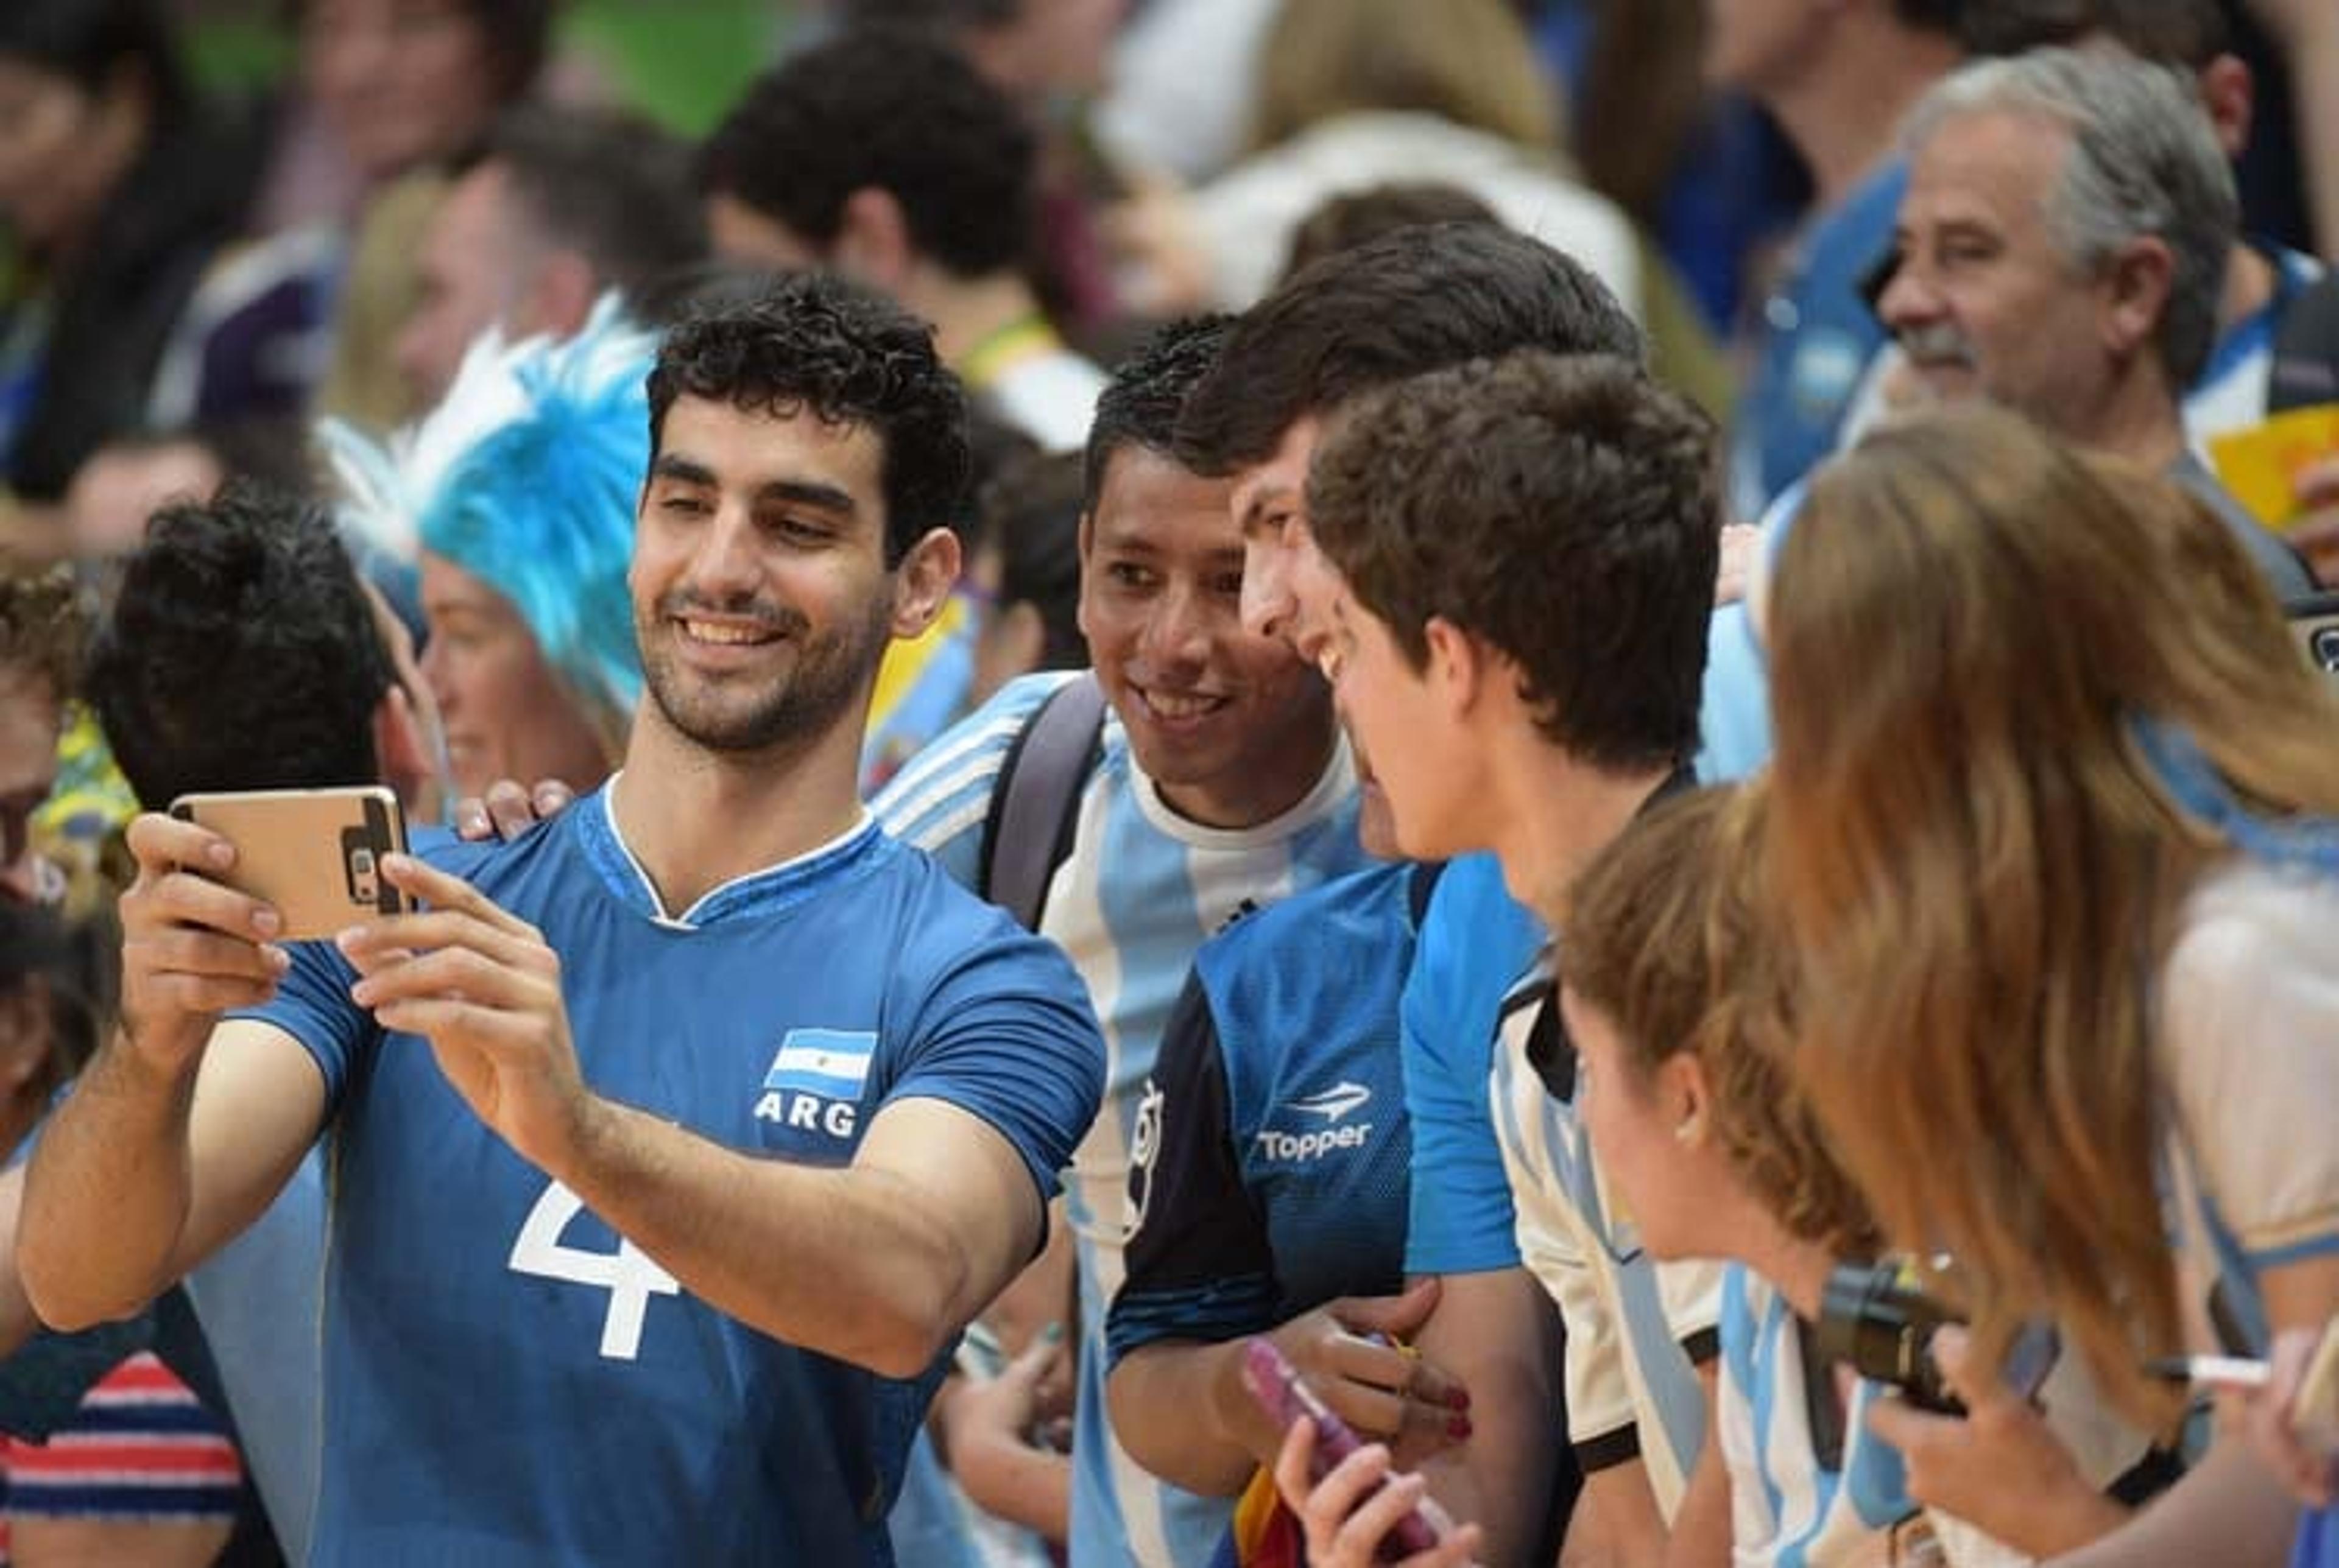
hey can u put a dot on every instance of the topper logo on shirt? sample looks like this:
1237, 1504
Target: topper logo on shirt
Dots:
814, 1083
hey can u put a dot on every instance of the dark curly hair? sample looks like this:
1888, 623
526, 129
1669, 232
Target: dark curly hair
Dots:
44, 628
816, 343
1139, 406
239, 653
1415, 299
895, 111
1564, 509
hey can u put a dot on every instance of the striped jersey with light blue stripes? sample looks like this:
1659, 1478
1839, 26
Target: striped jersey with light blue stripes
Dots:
1141, 890
1787, 1509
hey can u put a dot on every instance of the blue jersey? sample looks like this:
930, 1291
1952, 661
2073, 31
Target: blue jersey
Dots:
1814, 346
1140, 893
1475, 941
1273, 1176
509, 1380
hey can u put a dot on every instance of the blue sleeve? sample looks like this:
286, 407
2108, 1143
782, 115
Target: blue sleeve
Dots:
1734, 707
1473, 941
941, 798
1006, 1032
312, 1005
1200, 1264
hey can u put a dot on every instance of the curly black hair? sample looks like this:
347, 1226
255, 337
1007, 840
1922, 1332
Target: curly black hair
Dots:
1414, 300
1140, 405
890, 110
239, 653
1563, 507
816, 342
44, 628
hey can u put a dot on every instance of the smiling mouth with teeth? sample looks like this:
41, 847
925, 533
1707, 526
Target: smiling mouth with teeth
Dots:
1181, 705
727, 636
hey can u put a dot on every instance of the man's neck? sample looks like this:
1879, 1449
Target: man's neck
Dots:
2249, 286
2137, 420
967, 313
1558, 813
696, 819
1844, 114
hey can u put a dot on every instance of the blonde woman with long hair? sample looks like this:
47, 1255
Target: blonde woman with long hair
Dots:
2052, 835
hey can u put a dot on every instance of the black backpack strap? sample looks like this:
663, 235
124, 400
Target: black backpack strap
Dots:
1035, 804
2306, 368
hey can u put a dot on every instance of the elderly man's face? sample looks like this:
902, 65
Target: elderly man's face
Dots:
1983, 301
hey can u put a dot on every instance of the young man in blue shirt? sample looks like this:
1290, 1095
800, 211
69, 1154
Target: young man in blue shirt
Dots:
696, 1123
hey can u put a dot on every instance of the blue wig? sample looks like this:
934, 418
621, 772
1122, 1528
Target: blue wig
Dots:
526, 476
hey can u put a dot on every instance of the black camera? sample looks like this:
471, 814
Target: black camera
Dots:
1873, 1320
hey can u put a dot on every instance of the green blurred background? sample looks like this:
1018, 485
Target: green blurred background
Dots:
680, 61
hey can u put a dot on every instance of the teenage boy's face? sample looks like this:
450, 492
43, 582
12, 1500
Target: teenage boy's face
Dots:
1393, 711
1288, 587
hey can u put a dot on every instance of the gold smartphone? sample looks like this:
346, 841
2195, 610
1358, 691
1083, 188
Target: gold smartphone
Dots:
314, 854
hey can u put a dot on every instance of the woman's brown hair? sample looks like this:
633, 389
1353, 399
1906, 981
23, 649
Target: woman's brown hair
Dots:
1980, 871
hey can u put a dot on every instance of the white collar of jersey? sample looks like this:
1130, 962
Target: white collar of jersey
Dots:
1333, 788
756, 892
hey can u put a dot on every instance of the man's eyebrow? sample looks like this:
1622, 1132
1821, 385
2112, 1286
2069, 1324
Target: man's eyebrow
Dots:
812, 493
1260, 499
683, 470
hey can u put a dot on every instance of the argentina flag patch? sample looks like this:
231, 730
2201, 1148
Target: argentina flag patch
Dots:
833, 1063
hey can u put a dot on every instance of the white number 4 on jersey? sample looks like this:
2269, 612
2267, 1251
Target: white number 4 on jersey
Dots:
628, 1274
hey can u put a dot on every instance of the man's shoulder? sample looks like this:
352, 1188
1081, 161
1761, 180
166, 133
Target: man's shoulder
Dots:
1313, 928
947, 787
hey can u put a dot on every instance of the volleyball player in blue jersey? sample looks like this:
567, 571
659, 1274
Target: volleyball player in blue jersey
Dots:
691, 1126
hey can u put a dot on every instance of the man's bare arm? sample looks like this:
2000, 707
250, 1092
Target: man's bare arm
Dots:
179, 1133
1497, 1335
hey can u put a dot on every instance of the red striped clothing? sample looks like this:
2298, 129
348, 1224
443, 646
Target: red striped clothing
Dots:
143, 1447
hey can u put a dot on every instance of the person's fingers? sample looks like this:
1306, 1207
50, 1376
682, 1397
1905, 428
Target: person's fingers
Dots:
1292, 1463
1398, 1316
1369, 1524
158, 843
1904, 1426
509, 808
2316, 484
445, 892
550, 797
457, 974
188, 898
472, 822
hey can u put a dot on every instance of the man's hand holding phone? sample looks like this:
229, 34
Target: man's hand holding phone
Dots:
193, 947
481, 985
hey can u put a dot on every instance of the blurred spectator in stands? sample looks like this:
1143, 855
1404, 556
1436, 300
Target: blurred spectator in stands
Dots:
564, 205
1838, 77
1050, 57
120, 187
1026, 574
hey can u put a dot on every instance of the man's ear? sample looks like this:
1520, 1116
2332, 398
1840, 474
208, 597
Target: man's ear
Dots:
1458, 666
402, 750
2230, 94
2137, 282
560, 296
873, 240
923, 581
